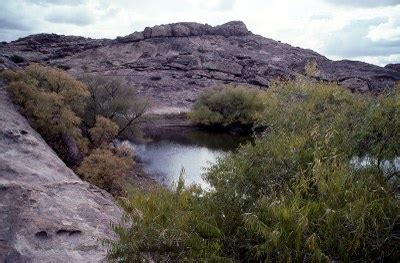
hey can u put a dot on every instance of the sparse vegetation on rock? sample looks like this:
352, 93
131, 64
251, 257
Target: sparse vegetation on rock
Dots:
52, 101
56, 103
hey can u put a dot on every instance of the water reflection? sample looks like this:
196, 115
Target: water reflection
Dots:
167, 151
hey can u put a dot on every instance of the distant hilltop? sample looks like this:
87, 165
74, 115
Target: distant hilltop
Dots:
172, 63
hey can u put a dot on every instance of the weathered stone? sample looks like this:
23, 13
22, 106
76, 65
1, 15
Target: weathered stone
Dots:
224, 66
179, 30
47, 214
355, 84
394, 67
161, 31
233, 28
169, 51
147, 32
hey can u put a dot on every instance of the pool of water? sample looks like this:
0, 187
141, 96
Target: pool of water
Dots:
166, 152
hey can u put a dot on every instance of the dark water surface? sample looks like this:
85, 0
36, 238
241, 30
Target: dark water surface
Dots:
167, 151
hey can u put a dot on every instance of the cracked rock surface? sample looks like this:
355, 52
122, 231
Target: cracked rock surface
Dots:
171, 64
47, 214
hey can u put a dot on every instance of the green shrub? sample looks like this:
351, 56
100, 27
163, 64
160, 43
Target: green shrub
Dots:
52, 101
104, 131
107, 168
228, 106
74, 92
292, 195
114, 100
168, 226
51, 117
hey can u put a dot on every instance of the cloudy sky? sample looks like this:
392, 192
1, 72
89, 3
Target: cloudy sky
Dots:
366, 30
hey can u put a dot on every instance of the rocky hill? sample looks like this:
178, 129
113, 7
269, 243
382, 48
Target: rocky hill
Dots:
47, 214
171, 63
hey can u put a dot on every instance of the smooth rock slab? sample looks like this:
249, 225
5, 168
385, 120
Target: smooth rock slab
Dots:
47, 214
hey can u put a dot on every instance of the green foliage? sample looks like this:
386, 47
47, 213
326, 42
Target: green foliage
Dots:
104, 131
380, 135
53, 113
167, 226
292, 195
74, 92
54, 103
107, 168
332, 213
228, 106
114, 100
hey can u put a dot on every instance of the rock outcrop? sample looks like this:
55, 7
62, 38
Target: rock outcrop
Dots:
172, 63
47, 214
394, 67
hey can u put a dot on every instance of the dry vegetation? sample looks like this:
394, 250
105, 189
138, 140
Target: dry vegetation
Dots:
79, 120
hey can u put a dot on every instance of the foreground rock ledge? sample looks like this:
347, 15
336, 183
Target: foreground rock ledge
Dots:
47, 214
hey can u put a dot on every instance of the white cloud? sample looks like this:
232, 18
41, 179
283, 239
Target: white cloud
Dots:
361, 29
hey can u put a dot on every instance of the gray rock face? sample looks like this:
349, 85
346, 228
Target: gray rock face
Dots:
171, 64
47, 214
394, 67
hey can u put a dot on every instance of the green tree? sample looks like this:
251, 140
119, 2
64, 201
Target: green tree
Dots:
114, 100
228, 106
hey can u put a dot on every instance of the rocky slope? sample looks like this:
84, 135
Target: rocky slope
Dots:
172, 63
47, 214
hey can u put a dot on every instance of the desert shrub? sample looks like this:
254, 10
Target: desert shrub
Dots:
58, 81
114, 100
333, 213
379, 137
17, 59
228, 106
104, 131
168, 226
293, 194
107, 168
51, 117
52, 101
311, 68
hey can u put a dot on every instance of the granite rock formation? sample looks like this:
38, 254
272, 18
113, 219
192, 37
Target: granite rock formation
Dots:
172, 63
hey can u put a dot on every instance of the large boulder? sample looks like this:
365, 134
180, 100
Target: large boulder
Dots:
47, 214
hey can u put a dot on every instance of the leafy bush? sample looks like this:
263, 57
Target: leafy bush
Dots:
107, 168
114, 100
292, 195
54, 103
51, 101
168, 226
228, 106
104, 131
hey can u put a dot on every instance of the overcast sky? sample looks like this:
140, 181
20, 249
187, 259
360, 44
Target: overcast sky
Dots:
366, 30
